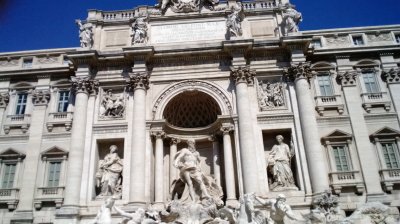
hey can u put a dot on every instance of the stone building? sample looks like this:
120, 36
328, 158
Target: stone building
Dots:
111, 118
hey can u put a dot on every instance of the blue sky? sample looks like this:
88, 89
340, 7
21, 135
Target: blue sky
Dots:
41, 24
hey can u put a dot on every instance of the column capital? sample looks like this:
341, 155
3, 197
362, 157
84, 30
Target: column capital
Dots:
158, 134
4, 99
298, 71
348, 78
243, 74
138, 81
84, 85
226, 129
40, 97
391, 76
175, 141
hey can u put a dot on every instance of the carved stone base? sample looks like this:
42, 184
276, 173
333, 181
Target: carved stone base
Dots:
280, 188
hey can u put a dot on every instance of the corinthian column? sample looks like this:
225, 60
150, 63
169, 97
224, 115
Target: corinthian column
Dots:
228, 164
159, 169
243, 77
300, 73
138, 83
82, 87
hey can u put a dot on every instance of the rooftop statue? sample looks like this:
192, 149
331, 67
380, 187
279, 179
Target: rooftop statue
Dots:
234, 20
139, 31
291, 19
85, 34
186, 6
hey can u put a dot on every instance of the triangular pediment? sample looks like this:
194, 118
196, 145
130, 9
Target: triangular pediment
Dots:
386, 132
11, 153
337, 135
54, 152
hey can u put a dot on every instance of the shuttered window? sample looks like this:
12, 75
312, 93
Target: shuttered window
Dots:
54, 174
341, 158
8, 175
391, 155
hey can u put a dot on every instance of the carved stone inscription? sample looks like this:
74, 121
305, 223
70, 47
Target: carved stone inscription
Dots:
188, 32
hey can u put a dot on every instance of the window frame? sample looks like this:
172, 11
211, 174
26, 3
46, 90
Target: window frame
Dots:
65, 102
16, 110
356, 36
54, 155
50, 181
27, 62
3, 173
346, 154
332, 87
11, 156
376, 82
396, 152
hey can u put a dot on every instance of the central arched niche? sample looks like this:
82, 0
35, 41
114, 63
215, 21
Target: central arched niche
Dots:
191, 109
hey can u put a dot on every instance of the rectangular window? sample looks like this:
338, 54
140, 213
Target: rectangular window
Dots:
54, 174
390, 154
358, 40
27, 63
8, 175
371, 86
21, 103
341, 158
325, 85
63, 101
317, 43
397, 38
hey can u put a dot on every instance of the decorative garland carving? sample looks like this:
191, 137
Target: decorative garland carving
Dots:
138, 81
392, 76
84, 85
40, 97
301, 70
243, 74
348, 78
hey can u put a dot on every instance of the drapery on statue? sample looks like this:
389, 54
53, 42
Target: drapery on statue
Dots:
104, 213
193, 184
85, 34
112, 106
291, 19
139, 31
109, 174
279, 165
234, 21
278, 209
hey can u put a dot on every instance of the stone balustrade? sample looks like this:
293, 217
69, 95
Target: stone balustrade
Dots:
340, 180
260, 5
59, 119
389, 177
49, 194
329, 102
375, 99
21, 121
9, 196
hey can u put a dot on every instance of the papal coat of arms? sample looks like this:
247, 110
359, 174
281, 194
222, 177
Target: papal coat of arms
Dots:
186, 5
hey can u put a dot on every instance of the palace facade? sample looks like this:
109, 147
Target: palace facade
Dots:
111, 117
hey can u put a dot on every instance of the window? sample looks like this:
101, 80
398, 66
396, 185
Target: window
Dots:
341, 158
325, 85
8, 175
54, 174
397, 38
317, 43
63, 101
358, 40
21, 103
27, 63
371, 86
390, 155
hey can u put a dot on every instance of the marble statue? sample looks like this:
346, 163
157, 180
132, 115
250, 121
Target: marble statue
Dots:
270, 95
109, 174
112, 106
185, 6
198, 185
247, 213
279, 165
104, 214
278, 209
328, 205
291, 19
85, 34
139, 31
234, 21
371, 213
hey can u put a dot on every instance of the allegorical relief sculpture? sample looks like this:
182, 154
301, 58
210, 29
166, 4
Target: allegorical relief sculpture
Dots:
85, 34
139, 31
291, 19
186, 6
279, 166
109, 175
112, 106
270, 95
234, 21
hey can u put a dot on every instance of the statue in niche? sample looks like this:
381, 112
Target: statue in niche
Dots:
234, 21
109, 174
139, 31
291, 19
104, 213
270, 95
112, 106
279, 210
193, 184
85, 34
279, 165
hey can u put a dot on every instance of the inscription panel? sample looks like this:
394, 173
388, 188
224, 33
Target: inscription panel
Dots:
186, 32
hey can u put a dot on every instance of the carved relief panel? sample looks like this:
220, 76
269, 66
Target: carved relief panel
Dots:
112, 105
271, 95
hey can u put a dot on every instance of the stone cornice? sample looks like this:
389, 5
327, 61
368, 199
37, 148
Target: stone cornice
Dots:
138, 81
243, 74
391, 76
84, 85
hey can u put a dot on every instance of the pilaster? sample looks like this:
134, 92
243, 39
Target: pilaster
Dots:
226, 130
159, 136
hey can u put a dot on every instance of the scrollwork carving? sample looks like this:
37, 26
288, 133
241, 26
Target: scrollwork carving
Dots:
392, 76
40, 97
348, 78
138, 81
243, 74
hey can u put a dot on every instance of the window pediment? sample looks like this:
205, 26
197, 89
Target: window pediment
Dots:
337, 136
10, 154
385, 133
54, 152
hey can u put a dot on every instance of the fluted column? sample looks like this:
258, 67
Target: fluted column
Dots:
216, 159
243, 77
300, 73
172, 152
228, 164
159, 168
138, 83
40, 100
82, 86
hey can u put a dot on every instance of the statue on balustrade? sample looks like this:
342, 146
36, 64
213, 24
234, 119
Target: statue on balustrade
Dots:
279, 161
270, 95
112, 106
193, 184
234, 21
109, 175
291, 19
139, 31
85, 34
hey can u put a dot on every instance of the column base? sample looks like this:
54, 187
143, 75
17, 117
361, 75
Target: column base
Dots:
22, 217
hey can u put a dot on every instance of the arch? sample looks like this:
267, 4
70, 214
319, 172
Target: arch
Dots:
22, 85
323, 65
216, 92
366, 63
